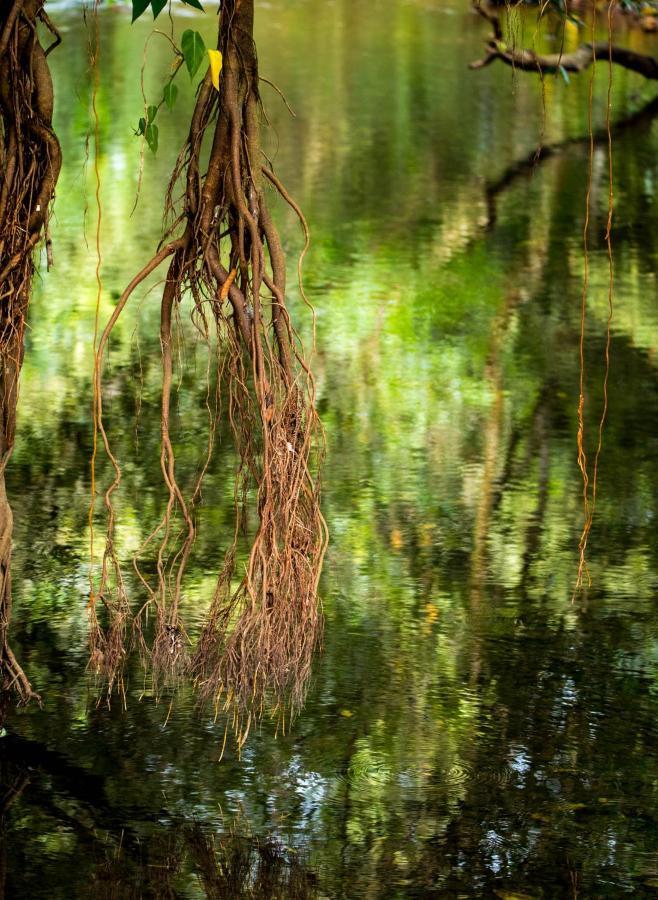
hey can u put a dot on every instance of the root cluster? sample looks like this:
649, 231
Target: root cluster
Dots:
224, 252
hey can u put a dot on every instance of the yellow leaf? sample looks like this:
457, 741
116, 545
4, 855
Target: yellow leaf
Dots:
215, 66
431, 612
346, 713
397, 541
571, 35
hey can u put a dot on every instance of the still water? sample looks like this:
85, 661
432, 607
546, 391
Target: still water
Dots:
473, 729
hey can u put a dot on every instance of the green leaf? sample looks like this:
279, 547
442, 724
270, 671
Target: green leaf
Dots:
157, 6
151, 113
169, 94
138, 8
565, 75
194, 3
194, 50
141, 127
151, 135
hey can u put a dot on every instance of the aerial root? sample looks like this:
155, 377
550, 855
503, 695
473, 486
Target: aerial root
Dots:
30, 161
262, 626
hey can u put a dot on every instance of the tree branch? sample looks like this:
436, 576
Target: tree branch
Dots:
578, 61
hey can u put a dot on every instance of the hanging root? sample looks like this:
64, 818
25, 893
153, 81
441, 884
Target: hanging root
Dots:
263, 625
590, 497
30, 161
585, 57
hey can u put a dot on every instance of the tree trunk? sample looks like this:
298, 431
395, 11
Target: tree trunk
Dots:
30, 160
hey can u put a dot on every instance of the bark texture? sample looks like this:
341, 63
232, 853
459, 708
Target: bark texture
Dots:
30, 161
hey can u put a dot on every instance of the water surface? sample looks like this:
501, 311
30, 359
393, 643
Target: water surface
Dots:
472, 730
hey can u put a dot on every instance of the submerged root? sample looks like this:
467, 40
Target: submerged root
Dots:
237, 863
267, 642
108, 650
170, 659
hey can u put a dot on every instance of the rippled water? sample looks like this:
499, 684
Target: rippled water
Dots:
472, 729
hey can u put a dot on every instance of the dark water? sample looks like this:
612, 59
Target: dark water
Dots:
473, 730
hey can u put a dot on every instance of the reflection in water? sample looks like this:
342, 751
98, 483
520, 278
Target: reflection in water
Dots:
470, 731
128, 861
634, 121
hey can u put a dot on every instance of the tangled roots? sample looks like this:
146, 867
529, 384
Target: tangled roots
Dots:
262, 627
30, 161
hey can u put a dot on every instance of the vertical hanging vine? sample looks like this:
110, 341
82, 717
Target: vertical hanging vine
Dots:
589, 498
30, 161
580, 440
225, 258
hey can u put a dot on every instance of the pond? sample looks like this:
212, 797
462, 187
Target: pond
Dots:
474, 728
